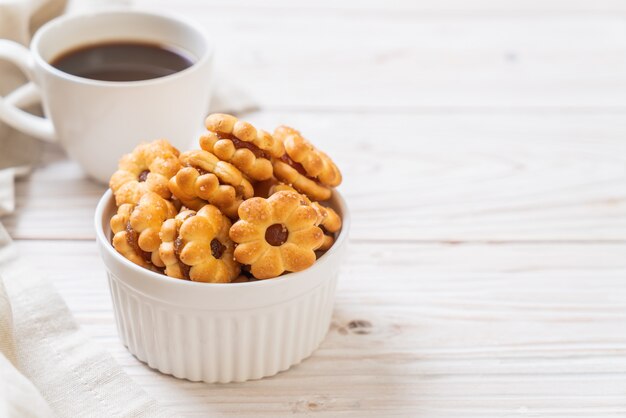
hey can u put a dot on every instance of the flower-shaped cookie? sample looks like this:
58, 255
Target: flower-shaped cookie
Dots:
206, 179
331, 223
241, 144
327, 219
276, 234
148, 168
136, 229
195, 246
307, 169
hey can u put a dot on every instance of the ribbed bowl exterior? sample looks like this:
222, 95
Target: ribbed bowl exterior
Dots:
215, 332
213, 346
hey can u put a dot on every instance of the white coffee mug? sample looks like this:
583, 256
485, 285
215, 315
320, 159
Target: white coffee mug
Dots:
98, 121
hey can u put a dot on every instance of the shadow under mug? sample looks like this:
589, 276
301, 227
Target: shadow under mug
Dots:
98, 121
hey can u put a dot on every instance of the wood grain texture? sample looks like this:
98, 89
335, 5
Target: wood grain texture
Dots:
412, 177
418, 330
420, 55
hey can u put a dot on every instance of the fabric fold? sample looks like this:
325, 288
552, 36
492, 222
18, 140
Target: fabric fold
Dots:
75, 376
18, 396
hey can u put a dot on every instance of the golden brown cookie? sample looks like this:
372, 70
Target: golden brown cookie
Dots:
148, 168
241, 144
276, 234
206, 179
136, 229
330, 223
196, 246
307, 169
327, 218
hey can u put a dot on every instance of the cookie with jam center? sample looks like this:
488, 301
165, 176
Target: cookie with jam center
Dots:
304, 167
276, 234
205, 178
136, 229
241, 144
196, 246
147, 168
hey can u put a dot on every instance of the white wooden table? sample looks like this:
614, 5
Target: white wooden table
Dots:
483, 145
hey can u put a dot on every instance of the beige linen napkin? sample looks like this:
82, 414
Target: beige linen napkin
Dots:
48, 367
18, 396
73, 374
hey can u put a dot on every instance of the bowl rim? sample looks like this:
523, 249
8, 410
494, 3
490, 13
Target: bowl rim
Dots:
107, 199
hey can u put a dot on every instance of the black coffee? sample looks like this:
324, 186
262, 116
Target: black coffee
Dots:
122, 61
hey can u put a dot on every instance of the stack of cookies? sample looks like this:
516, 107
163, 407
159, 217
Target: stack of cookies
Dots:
247, 206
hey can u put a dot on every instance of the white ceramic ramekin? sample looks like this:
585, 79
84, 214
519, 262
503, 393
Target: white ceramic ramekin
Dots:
215, 332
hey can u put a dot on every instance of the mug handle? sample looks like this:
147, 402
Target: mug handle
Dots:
10, 112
